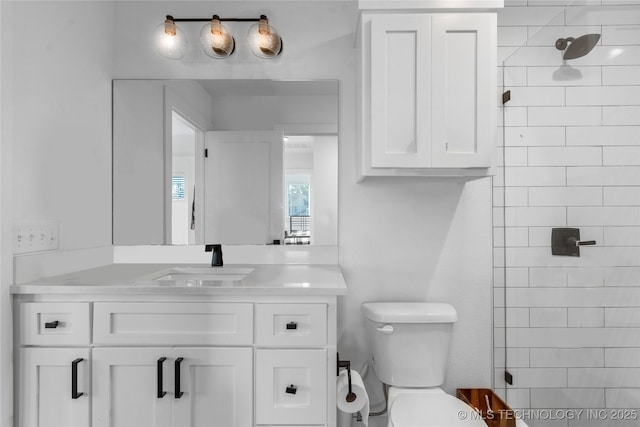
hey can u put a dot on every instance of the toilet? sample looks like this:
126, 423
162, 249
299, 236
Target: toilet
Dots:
409, 345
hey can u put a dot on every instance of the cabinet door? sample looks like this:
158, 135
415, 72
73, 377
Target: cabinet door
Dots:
400, 91
291, 387
46, 385
464, 73
215, 385
128, 385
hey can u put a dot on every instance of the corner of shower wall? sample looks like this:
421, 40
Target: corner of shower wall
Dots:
568, 328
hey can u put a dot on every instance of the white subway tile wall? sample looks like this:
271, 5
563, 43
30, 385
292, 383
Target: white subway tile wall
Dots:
569, 147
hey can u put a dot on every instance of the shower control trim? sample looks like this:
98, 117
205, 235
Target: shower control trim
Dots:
566, 241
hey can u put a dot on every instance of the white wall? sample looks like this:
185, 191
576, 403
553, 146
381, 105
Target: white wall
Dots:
62, 118
572, 159
324, 198
264, 112
6, 215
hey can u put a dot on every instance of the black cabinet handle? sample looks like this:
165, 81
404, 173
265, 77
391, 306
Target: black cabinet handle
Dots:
161, 392
51, 325
292, 325
176, 366
74, 378
292, 389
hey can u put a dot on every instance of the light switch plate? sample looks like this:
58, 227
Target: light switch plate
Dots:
36, 236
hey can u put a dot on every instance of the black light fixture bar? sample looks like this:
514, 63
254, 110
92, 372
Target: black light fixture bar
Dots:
214, 16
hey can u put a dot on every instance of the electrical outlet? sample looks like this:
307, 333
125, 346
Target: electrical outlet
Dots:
36, 236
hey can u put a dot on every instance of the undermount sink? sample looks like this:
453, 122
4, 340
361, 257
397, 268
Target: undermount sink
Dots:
202, 276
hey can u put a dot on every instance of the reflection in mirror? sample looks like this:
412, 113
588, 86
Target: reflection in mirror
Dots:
225, 161
183, 180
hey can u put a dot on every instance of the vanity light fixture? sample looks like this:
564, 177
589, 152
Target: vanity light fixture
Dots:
217, 42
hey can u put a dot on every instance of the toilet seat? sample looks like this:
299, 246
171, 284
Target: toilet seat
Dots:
432, 410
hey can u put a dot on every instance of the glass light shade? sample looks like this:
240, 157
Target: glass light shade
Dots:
264, 40
216, 40
170, 40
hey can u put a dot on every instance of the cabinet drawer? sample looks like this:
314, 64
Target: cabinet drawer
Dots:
173, 323
55, 323
292, 387
291, 324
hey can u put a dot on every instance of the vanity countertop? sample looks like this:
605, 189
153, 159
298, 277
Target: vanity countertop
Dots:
264, 279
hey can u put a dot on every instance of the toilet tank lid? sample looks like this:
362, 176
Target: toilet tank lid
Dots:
409, 312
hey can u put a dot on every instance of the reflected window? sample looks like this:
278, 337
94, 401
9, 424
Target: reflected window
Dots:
298, 199
177, 187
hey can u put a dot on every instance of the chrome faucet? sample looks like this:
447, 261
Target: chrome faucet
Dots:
216, 256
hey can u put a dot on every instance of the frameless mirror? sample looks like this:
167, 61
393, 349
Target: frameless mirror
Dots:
225, 161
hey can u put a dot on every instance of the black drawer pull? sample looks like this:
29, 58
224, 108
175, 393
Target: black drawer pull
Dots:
176, 366
292, 325
74, 378
291, 389
161, 392
51, 325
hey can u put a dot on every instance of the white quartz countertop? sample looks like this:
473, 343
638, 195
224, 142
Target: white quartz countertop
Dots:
263, 279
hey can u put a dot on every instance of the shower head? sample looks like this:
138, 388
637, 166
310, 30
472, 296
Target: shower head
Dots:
579, 47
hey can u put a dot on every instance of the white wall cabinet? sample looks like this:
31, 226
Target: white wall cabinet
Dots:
427, 93
148, 361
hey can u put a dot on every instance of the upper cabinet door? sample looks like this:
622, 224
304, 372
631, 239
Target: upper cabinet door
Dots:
400, 90
464, 73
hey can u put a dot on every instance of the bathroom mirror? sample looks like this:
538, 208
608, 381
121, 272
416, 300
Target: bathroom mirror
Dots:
225, 161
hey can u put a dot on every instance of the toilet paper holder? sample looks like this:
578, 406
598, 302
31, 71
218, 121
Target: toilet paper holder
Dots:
351, 396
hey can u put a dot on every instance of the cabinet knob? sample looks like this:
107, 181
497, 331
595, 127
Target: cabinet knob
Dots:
292, 389
292, 325
51, 325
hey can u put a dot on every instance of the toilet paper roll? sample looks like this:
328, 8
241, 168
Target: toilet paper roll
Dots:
361, 402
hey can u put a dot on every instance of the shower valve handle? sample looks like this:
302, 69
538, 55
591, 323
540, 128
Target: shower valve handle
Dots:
575, 242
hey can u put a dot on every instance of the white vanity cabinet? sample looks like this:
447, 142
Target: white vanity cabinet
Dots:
177, 360
427, 93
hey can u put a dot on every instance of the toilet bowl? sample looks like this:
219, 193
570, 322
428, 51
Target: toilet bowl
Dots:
430, 407
409, 344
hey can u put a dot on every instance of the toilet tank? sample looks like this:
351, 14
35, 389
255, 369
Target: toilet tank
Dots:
409, 341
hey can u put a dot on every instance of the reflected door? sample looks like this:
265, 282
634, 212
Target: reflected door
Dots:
243, 182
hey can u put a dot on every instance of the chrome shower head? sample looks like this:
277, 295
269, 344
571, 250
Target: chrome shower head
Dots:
579, 47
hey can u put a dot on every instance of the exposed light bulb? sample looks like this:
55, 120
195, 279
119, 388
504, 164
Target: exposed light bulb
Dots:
170, 41
264, 40
216, 40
